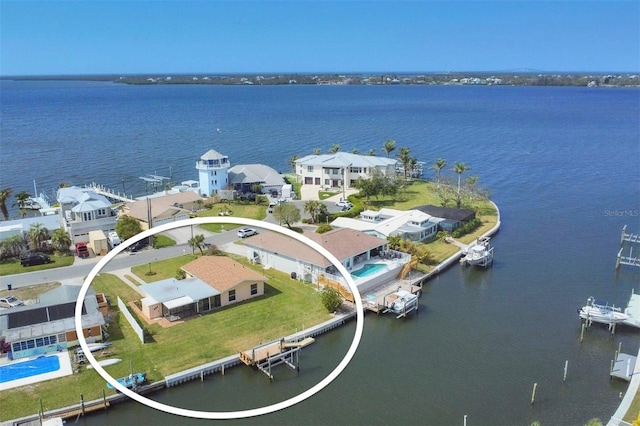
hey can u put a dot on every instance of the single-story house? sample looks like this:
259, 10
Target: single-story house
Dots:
413, 225
49, 325
211, 282
331, 170
354, 249
242, 178
165, 208
453, 217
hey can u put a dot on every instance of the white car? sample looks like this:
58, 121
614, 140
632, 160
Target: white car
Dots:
344, 203
246, 232
10, 302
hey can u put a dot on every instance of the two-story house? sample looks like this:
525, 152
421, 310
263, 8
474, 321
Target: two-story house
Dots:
83, 211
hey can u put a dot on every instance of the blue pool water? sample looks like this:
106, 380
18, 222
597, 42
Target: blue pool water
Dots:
368, 269
33, 367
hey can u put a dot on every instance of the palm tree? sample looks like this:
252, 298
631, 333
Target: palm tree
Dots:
317, 151
440, 164
389, 146
334, 148
61, 240
405, 159
460, 168
197, 241
21, 198
12, 246
292, 161
315, 209
4, 196
372, 152
37, 235
355, 151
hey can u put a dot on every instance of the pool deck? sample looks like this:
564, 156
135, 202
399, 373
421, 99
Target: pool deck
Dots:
64, 370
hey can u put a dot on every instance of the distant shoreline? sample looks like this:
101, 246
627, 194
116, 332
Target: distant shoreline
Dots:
524, 78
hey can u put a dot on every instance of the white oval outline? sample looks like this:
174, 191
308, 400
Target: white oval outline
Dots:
222, 414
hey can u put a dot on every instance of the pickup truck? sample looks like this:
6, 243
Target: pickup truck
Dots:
82, 250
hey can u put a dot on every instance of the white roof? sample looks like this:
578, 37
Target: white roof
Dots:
180, 301
212, 154
393, 221
171, 289
344, 159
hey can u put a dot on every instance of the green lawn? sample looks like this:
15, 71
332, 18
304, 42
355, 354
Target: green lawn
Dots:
14, 267
160, 241
286, 307
162, 269
236, 209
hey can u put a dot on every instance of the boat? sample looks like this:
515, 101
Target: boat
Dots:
610, 314
479, 253
131, 381
106, 362
401, 302
603, 313
93, 347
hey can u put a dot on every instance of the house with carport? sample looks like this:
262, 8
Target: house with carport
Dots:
367, 257
211, 282
82, 211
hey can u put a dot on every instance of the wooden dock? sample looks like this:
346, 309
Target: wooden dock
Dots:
272, 354
623, 367
629, 260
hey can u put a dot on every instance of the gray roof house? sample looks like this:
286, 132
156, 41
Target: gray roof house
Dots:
82, 211
242, 177
49, 325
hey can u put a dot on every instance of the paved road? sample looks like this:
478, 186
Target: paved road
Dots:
75, 273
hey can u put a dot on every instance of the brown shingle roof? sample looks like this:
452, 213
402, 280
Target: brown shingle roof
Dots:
221, 272
342, 243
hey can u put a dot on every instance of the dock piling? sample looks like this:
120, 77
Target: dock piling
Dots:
533, 394
566, 366
582, 332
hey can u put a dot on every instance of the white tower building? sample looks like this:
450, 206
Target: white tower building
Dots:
213, 172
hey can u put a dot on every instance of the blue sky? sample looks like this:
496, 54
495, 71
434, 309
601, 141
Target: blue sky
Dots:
126, 37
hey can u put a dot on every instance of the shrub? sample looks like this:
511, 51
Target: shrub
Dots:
467, 228
324, 227
180, 274
331, 299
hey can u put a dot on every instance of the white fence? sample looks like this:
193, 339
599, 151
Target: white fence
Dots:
132, 321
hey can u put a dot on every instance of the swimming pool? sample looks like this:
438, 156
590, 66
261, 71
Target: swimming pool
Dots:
33, 367
368, 269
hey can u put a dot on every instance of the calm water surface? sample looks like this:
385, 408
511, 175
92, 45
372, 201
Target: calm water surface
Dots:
562, 164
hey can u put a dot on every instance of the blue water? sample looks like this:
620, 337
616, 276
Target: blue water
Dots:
34, 367
561, 163
368, 269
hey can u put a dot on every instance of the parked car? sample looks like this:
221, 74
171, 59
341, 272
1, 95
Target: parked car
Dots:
343, 204
34, 259
82, 250
246, 232
135, 247
10, 302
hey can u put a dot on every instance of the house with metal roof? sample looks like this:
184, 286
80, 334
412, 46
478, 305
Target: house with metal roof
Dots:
412, 225
242, 177
162, 208
211, 282
453, 218
49, 325
83, 210
341, 168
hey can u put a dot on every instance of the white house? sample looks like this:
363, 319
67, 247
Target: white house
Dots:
82, 211
331, 170
213, 172
413, 225
357, 251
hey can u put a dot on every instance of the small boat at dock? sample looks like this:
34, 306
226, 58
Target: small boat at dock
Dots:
595, 311
131, 381
479, 253
402, 302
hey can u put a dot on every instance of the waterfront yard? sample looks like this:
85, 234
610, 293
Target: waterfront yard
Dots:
287, 307
233, 209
